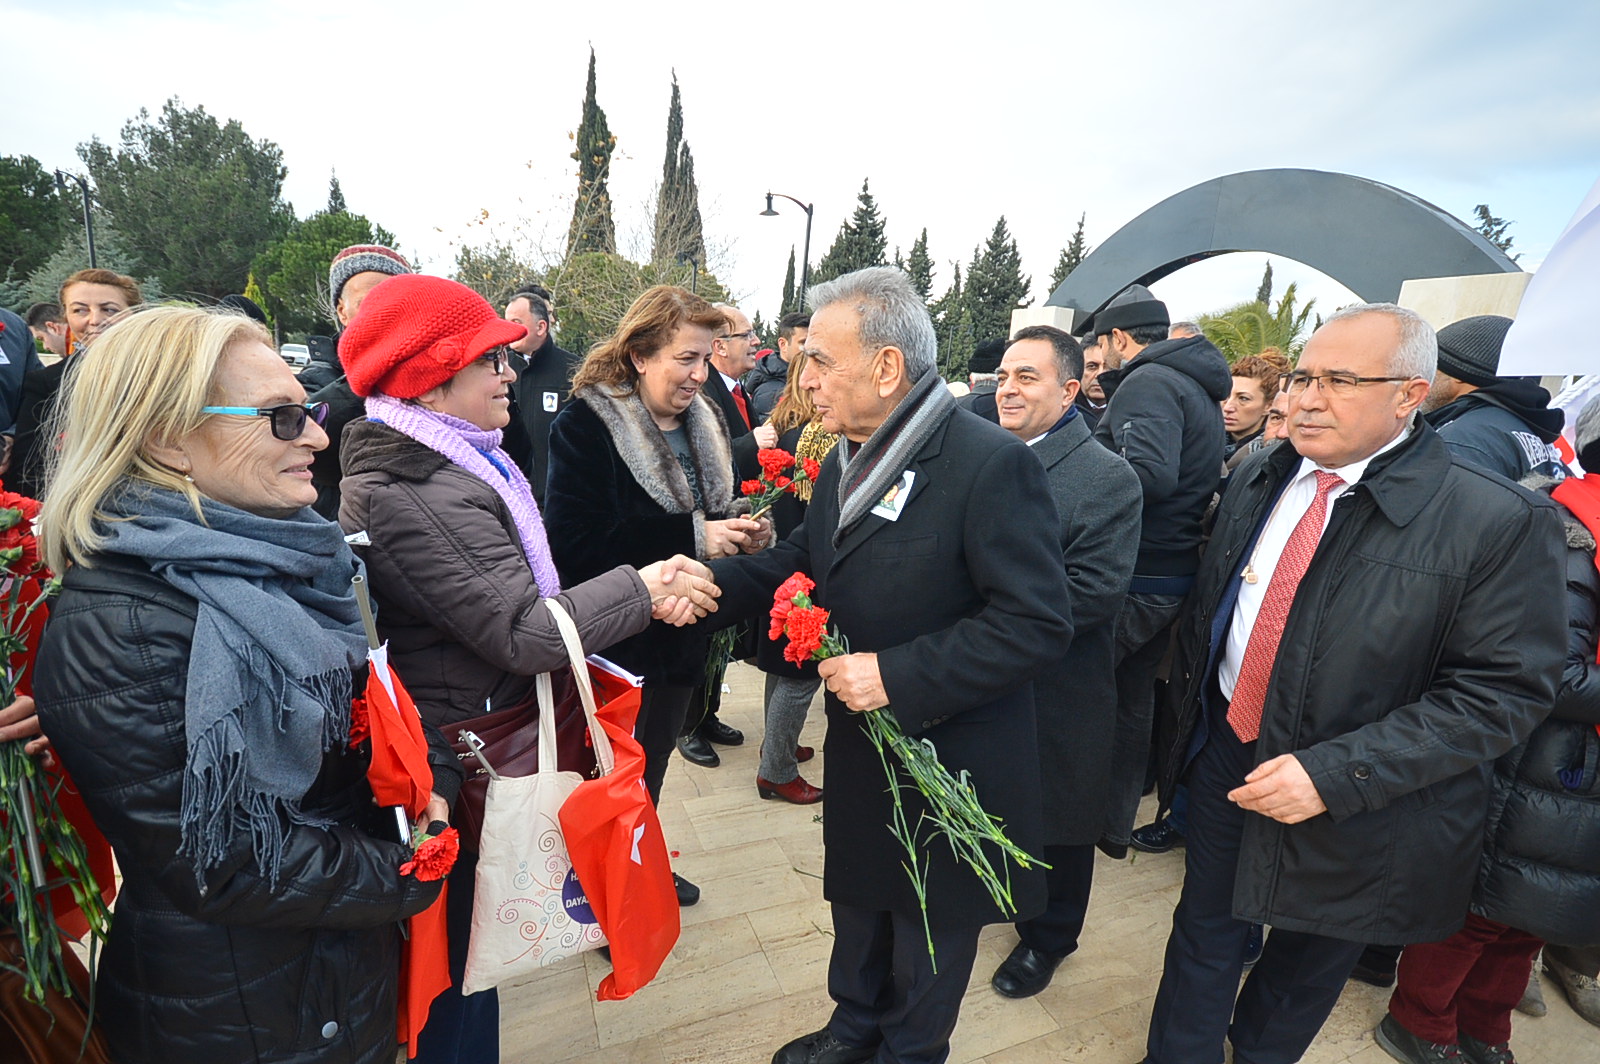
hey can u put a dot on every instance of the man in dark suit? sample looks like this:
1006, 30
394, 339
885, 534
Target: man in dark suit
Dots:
933, 541
544, 379
1370, 627
1099, 499
732, 356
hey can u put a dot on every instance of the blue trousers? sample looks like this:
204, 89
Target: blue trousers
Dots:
1291, 990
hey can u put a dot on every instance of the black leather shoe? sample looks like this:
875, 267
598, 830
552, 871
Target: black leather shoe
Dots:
1025, 972
720, 733
821, 1047
695, 749
1407, 1048
1160, 837
688, 893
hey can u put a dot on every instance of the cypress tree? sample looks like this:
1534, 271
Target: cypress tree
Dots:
335, 195
592, 228
789, 304
1264, 292
678, 228
920, 267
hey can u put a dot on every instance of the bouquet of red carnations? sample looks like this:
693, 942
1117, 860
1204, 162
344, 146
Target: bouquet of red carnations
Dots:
953, 808
40, 850
781, 474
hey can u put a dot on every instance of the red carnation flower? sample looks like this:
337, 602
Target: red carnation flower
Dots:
774, 461
812, 467
783, 484
805, 628
360, 723
435, 857
750, 487
797, 586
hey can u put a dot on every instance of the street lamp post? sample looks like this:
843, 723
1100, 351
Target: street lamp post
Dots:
805, 263
694, 270
88, 225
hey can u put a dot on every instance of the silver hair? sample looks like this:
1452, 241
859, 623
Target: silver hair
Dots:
1188, 328
1587, 429
892, 314
1417, 354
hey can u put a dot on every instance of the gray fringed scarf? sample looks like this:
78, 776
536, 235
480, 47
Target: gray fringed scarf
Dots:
275, 637
866, 476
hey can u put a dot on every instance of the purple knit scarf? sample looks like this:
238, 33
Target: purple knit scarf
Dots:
469, 447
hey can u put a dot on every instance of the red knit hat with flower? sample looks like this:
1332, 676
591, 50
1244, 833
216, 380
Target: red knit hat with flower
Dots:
415, 332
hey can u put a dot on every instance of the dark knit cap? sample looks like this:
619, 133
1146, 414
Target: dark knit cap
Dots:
987, 355
363, 258
1469, 350
1133, 307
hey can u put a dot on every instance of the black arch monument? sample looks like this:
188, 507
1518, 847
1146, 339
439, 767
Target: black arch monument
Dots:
1366, 235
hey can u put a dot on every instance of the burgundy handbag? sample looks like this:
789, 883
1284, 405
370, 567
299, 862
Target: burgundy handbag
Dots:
510, 739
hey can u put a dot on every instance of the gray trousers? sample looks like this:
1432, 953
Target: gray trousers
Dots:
788, 700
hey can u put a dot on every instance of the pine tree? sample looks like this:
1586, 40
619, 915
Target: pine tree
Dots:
678, 229
996, 285
335, 195
761, 329
1494, 230
1264, 292
790, 304
920, 267
592, 228
1072, 256
952, 326
860, 243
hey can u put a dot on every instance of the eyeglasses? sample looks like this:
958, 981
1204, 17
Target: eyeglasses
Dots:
495, 360
748, 334
288, 421
1341, 384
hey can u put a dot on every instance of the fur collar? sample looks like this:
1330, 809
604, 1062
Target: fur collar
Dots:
650, 459
1578, 537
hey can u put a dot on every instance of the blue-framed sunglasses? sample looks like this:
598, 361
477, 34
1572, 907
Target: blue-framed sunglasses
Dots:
288, 421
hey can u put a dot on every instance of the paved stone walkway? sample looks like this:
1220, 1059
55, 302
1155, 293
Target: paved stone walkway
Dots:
748, 973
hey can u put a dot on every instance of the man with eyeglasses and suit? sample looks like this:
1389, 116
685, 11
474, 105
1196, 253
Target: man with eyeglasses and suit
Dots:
1369, 629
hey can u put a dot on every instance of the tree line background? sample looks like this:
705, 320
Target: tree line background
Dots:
193, 208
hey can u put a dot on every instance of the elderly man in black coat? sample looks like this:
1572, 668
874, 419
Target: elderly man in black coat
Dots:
933, 541
1371, 627
1099, 499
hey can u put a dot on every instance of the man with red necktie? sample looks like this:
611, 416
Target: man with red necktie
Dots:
1371, 626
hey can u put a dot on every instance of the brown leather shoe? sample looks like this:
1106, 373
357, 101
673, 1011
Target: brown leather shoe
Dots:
804, 753
796, 790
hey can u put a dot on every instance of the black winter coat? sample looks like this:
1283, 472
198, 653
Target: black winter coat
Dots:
1098, 498
1507, 428
964, 599
764, 385
1164, 418
1541, 869
1421, 646
542, 388
600, 513
741, 436
304, 974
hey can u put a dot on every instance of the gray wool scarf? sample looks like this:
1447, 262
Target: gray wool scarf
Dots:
276, 636
866, 476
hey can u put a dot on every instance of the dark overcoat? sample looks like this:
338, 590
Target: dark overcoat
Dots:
1425, 640
741, 435
1099, 498
964, 599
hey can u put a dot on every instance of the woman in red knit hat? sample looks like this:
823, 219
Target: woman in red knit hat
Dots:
458, 557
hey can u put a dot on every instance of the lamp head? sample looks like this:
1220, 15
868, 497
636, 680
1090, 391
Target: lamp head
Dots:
769, 212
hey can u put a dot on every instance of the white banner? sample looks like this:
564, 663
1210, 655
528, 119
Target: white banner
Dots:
1555, 325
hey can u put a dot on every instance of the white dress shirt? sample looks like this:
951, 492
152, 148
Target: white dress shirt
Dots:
1293, 503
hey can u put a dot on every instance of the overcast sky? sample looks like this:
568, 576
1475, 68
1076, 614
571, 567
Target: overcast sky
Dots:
449, 123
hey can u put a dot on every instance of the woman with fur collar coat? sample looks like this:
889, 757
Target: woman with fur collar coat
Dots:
640, 464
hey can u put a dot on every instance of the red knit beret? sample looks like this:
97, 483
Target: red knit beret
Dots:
415, 332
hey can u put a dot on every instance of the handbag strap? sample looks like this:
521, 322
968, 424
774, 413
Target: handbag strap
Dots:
604, 760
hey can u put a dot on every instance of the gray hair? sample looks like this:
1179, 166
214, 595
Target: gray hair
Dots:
892, 314
1417, 354
1587, 429
1186, 328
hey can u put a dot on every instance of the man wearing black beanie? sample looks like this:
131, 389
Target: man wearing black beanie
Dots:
1502, 424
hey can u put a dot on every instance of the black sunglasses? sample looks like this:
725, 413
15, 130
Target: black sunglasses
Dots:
288, 421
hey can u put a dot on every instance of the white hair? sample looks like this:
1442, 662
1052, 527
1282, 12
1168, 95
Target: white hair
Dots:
1417, 354
892, 314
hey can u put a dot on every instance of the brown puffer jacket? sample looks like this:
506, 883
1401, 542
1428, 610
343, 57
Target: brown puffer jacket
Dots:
456, 598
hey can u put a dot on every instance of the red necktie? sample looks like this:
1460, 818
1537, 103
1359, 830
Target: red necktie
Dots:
1261, 651
738, 398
